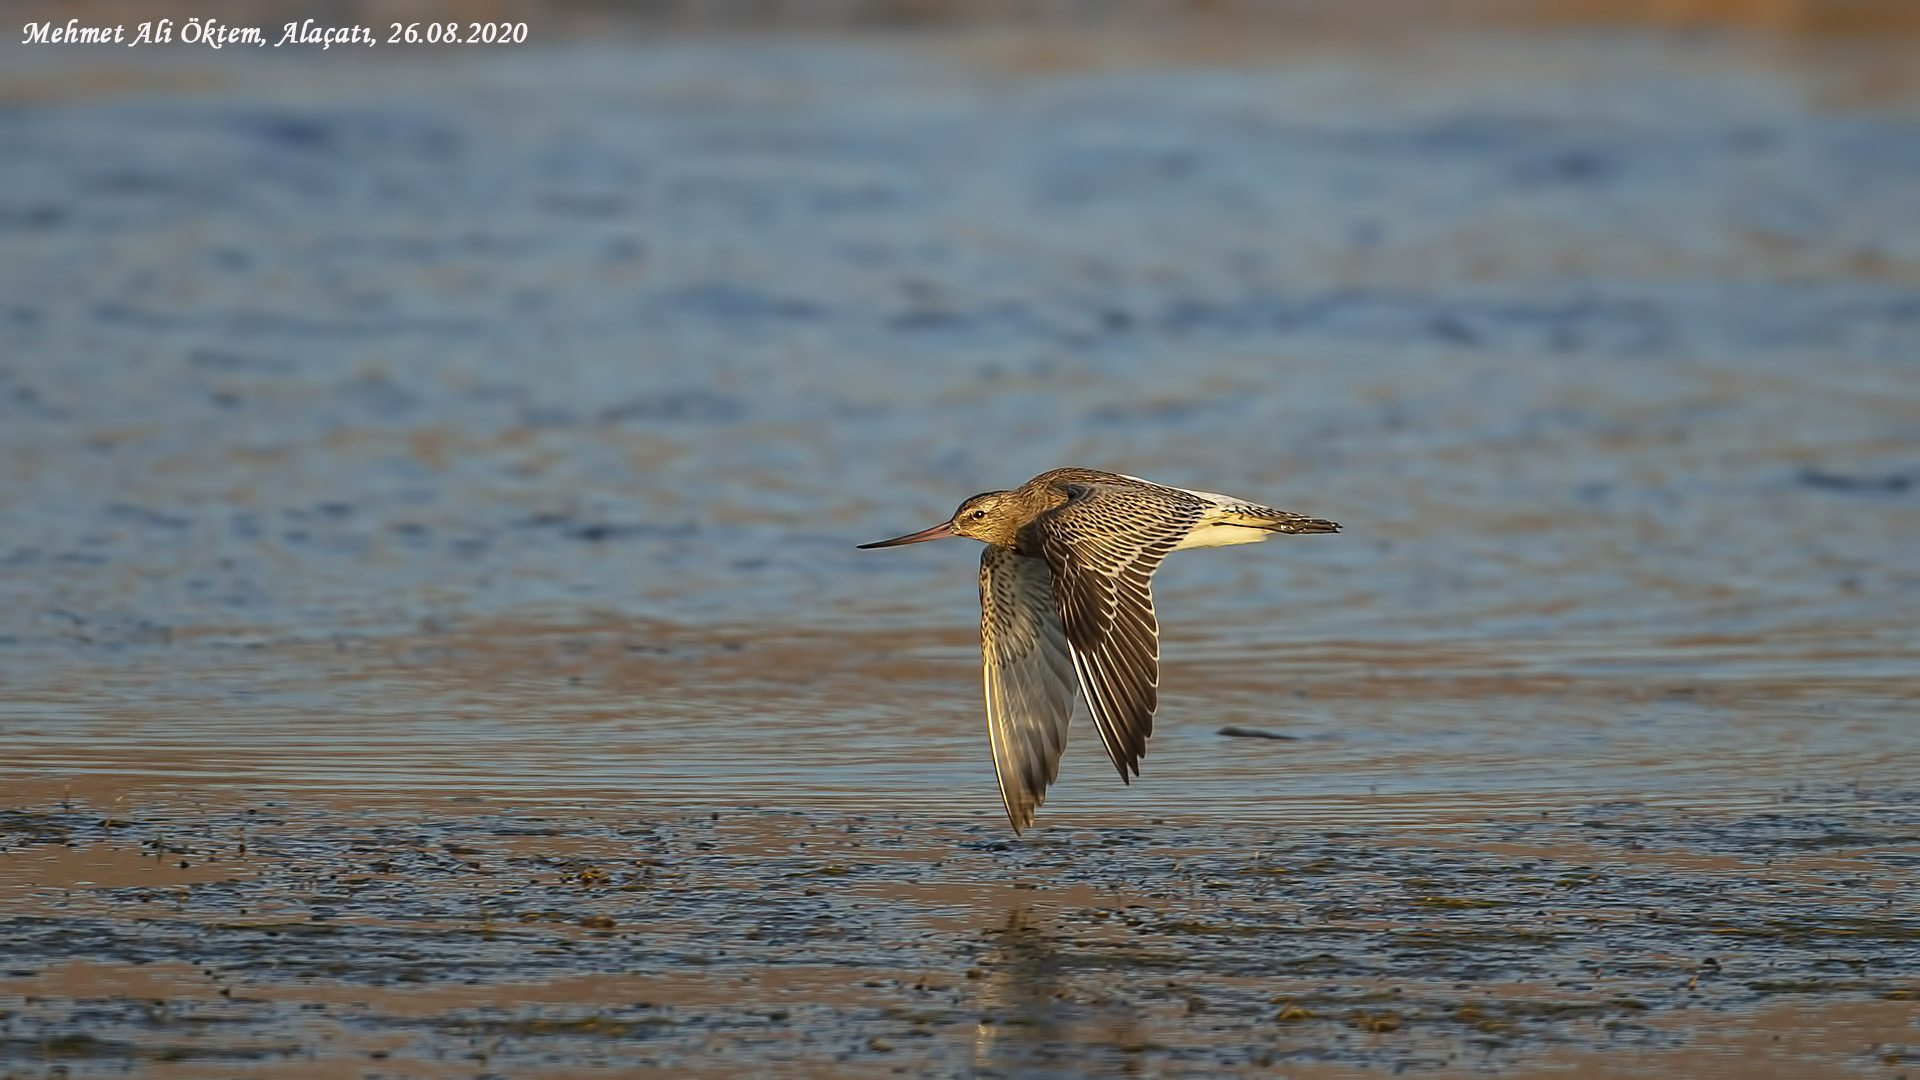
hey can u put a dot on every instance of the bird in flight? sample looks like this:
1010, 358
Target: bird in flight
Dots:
1065, 603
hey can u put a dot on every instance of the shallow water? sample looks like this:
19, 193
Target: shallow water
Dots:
501, 428
478, 422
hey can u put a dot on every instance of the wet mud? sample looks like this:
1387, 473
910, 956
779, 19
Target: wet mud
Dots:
432, 644
467, 939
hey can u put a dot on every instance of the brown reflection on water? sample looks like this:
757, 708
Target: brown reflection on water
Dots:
628, 710
1035, 1013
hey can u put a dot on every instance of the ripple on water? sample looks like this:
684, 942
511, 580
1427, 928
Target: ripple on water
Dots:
427, 433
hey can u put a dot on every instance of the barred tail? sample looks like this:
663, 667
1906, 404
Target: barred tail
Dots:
1278, 521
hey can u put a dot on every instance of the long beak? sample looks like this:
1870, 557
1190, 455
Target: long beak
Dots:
945, 528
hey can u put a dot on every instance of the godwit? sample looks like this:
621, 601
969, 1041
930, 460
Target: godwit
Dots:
1064, 599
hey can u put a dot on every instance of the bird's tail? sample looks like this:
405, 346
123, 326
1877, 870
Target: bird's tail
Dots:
1279, 521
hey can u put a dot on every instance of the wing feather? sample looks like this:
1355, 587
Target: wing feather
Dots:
1029, 678
1103, 545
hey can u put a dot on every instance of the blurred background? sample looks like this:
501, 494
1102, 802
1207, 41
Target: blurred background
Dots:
449, 417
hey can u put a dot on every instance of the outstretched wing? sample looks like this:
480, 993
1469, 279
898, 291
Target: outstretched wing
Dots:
1029, 678
1103, 545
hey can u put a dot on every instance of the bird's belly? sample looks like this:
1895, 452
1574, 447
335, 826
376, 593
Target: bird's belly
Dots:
1221, 535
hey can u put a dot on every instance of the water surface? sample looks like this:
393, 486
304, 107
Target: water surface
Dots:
510, 423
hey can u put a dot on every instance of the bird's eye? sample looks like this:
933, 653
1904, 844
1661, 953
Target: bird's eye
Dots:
979, 514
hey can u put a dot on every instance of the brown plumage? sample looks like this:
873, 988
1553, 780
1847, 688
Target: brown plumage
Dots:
1065, 602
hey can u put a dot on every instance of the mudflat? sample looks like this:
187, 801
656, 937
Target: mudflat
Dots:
460, 936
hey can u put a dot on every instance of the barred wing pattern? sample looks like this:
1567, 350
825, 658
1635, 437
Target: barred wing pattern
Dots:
1103, 546
1029, 678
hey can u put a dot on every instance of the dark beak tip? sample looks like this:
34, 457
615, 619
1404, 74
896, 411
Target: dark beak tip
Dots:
944, 529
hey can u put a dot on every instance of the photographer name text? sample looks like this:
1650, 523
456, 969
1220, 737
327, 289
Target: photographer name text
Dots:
214, 34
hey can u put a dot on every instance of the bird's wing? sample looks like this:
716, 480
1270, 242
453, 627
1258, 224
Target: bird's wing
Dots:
1028, 675
1103, 544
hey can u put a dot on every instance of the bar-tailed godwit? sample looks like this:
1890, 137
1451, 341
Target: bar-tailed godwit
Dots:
1064, 601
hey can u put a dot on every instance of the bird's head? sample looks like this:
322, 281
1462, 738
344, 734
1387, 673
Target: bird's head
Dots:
988, 517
